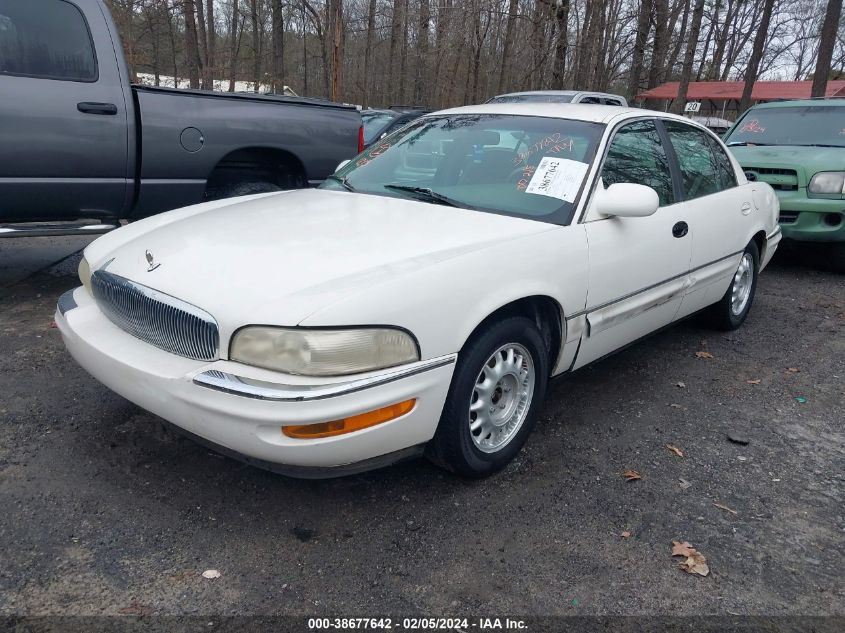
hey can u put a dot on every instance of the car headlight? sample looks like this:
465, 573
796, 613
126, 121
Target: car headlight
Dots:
828, 182
85, 274
307, 352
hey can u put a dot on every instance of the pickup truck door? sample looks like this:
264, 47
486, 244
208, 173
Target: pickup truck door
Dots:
638, 266
65, 149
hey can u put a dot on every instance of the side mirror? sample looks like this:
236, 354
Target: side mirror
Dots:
341, 165
626, 200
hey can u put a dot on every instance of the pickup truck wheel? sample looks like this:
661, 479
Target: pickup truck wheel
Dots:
733, 307
495, 397
243, 188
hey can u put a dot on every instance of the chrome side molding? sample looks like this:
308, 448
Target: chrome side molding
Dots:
48, 230
262, 390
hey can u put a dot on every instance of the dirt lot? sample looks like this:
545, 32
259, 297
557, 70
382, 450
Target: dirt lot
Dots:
104, 512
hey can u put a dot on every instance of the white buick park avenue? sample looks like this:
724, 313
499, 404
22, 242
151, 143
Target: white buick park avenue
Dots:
420, 300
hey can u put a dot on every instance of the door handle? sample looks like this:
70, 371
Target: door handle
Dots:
680, 229
745, 208
90, 107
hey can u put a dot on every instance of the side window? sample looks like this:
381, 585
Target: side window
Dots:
613, 102
724, 167
636, 155
705, 168
48, 39
590, 100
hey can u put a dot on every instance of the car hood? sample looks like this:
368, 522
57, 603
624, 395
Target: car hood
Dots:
277, 259
805, 161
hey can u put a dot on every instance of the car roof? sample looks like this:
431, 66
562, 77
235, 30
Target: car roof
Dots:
821, 102
560, 93
594, 113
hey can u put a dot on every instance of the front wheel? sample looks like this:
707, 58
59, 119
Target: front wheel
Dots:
494, 399
733, 308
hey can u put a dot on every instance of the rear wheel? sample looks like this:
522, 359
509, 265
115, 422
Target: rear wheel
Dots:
494, 400
733, 308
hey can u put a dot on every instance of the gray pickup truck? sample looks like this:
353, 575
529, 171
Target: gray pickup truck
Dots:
80, 144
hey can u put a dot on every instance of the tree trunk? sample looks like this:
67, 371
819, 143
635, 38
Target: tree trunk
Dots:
210, 62
643, 28
826, 44
689, 56
191, 44
513, 7
395, 35
421, 91
256, 45
278, 46
368, 52
756, 56
657, 71
336, 30
562, 19
234, 39
203, 44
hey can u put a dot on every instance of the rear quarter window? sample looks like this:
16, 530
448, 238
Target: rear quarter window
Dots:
46, 39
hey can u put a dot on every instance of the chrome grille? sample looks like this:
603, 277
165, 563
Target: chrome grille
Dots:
152, 316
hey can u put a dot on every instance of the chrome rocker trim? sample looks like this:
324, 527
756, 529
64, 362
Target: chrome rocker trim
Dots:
261, 390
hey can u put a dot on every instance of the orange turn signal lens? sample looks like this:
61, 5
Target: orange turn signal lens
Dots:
350, 424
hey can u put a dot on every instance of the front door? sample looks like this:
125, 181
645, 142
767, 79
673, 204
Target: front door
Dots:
639, 266
64, 152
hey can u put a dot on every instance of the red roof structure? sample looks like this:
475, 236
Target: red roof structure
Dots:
732, 90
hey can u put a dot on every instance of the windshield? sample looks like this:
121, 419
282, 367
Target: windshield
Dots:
532, 99
521, 166
374, 122
799, 125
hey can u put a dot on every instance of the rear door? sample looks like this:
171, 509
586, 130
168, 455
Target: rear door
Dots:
720, 213
64, 152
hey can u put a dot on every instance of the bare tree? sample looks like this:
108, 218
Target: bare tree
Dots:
638, 55
828, 40
689, 55
191, 43
756, 55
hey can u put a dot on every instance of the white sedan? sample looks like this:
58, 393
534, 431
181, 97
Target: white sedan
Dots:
420, 300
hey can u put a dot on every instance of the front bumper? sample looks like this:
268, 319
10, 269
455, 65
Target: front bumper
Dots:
241, 409
810, 219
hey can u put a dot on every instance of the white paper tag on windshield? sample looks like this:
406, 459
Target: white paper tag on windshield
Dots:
558, 178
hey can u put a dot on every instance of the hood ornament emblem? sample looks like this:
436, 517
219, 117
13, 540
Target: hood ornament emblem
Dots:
151, 261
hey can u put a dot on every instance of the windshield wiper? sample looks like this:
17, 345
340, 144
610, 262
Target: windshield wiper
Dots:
755, 143
820, 145
344, 183
428, 195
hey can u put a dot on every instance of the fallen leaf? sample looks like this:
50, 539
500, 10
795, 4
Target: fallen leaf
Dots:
678, 406
756, 381
684, 484
695, 564
681, 384
800, 399
211, 574
675, 450
625, 534
725, 508
682, 549
704, 355
694, 561
792, 370
631, 475
53, 324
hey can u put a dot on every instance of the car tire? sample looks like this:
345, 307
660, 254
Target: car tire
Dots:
505, 368
732, 309
244, 188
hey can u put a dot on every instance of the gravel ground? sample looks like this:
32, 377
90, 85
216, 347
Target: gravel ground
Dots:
106, 512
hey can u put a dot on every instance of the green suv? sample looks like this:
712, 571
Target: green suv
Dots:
798, 147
